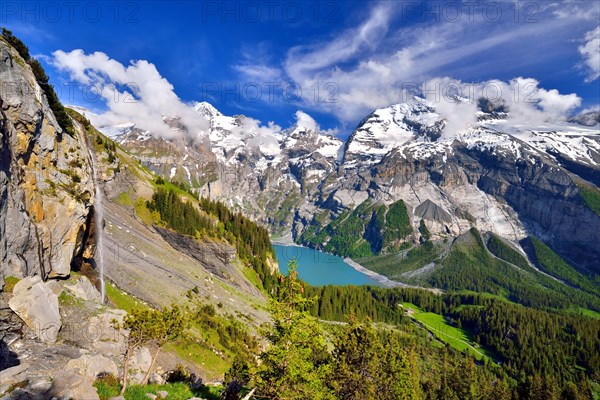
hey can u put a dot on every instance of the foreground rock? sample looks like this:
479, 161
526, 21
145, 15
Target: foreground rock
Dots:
69, 385
12, 376
92, 366
36, 304
84, 289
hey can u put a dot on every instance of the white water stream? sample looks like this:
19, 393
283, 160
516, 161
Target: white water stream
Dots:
99, 228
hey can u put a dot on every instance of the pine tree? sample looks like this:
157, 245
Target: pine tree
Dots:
356, 370
296, 363
395, 379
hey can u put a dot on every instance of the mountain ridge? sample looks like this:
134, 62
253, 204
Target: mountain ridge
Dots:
397, 152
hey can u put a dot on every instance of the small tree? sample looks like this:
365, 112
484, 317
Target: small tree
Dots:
296, 364
138, 323
236, 378
357, 360
167, 325
150, 326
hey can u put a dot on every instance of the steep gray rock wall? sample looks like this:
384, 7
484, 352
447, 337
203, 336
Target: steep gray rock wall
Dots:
46, 189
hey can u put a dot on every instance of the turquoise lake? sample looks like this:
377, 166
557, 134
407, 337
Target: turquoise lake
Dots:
320, 269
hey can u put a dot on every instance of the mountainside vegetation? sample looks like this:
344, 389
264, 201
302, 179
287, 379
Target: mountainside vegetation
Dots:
550, 262
469, 266
591, 197
205, 218
370, 229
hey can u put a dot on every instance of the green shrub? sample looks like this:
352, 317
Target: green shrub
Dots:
424, 231
15, 42
9, 283
179, 374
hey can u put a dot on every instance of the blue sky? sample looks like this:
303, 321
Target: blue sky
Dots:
337, 61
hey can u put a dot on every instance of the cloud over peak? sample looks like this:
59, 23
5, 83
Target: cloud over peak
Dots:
135, 93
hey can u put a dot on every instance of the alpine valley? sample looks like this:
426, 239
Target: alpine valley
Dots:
140, 264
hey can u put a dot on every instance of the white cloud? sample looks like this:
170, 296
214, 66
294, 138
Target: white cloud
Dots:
306, 121
302, 61
259, 73
526, 101
264, 138
372, 63
595, 108
590, 52
458, 111
134, 93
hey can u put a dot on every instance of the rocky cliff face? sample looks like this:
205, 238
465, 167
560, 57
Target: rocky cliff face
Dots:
46, 188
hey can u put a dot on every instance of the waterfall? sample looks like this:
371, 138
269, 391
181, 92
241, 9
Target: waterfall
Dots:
98, 219
99, 226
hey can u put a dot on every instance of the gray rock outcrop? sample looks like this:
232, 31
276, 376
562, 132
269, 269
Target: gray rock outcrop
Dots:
46, 190
139, 364
36, 304
70, 385
93, 365
83, 289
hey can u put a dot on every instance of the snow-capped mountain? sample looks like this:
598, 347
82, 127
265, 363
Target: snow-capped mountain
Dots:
495, 174
389, 128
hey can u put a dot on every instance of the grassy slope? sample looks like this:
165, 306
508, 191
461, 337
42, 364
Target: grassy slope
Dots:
122, 300
393, 265
503, 251
457, 338
591, 198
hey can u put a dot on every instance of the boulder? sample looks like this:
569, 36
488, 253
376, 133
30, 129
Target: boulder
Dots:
91, 366
37, 305
11, 376
157, 379
41, 386
55, 287
84, 289
102, 336
139, 364
162, 394
70, 385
